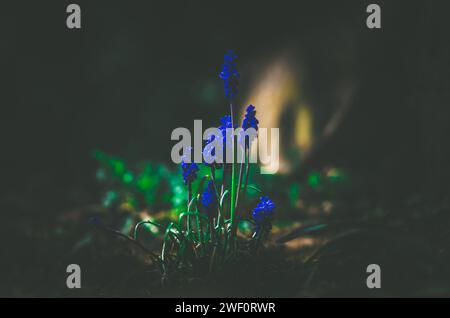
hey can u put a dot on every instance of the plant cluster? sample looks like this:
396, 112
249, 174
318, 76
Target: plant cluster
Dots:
209, 231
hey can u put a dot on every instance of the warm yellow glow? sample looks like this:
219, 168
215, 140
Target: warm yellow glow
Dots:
332, 172
327, 207
277, 88
301, 242
303, 128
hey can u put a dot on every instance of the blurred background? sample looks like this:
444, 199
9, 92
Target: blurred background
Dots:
372, 105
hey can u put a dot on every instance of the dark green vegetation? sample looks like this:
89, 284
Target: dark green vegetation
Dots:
325, 255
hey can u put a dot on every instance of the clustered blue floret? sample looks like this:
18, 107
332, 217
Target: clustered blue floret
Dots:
189, 171
230, 75
264, 211
225, 122
209, 199
250, 120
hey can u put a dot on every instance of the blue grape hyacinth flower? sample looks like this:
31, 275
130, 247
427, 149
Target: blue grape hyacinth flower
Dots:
189, 170
230, 75
209, 200
250, 121
210, 153
225, 122
264, 212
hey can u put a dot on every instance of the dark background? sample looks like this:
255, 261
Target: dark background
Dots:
138, 69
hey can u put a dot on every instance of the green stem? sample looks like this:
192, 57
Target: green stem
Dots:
241, 168
199, 229
189, 192
233, 182
212, 230
224, 178
247, 171
213, 179
188, 226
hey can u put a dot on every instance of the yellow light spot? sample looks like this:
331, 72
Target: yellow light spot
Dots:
301, 242
303, 128
276, 89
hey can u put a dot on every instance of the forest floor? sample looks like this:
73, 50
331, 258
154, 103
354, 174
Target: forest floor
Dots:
413, 255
